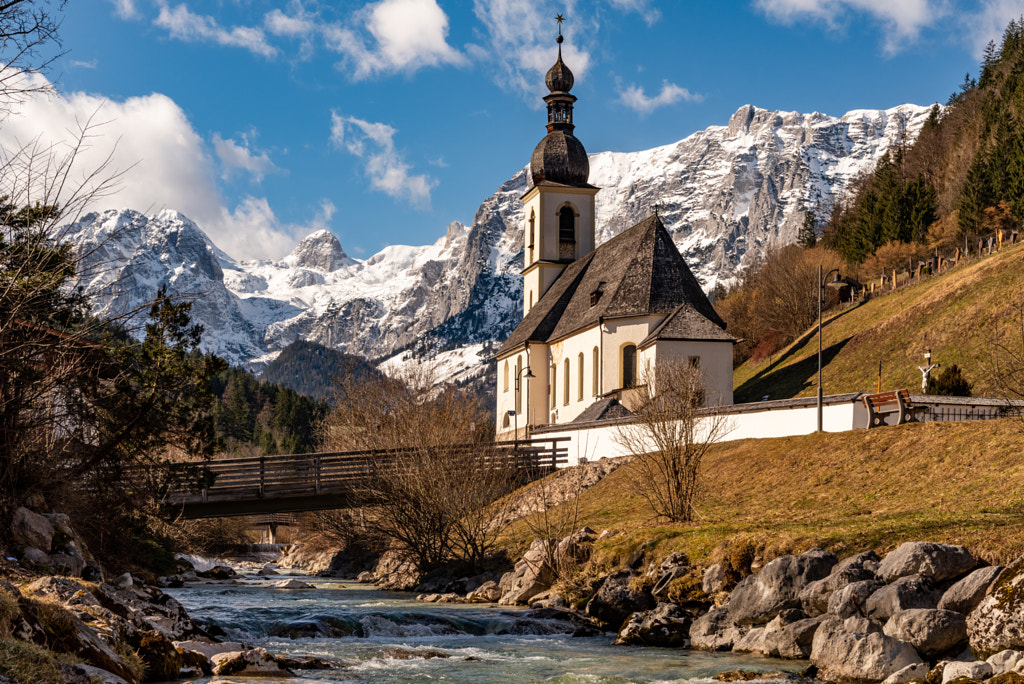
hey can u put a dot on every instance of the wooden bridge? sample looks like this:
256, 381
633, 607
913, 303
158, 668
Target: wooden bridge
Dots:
307, 482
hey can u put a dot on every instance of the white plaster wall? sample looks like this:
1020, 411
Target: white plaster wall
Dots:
602, 442
715, 363
617, 334
582, 343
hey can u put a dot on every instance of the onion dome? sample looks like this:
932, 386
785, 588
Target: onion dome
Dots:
560, 157
559, 78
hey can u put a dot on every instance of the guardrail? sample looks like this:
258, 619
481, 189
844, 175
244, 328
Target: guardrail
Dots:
318, 481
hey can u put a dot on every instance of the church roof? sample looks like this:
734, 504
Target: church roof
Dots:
604, 409
639, 272
686, 323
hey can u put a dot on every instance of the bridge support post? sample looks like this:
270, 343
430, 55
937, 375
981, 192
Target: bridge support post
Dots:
272, 533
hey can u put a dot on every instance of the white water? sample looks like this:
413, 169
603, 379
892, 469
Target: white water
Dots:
484, 644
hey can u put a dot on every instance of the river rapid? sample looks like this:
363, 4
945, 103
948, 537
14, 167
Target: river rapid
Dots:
394, 638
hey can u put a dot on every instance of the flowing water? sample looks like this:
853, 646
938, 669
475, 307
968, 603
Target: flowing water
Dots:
396, 639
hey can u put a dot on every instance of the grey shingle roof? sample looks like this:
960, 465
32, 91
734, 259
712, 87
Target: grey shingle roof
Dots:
638, 272
605, 409
686, 323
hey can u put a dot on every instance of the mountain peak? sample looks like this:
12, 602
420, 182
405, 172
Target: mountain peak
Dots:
320, 251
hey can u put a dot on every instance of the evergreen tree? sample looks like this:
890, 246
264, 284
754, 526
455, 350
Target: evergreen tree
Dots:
808, 235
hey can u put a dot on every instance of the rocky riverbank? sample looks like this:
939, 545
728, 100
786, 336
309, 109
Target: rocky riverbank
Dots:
924, 611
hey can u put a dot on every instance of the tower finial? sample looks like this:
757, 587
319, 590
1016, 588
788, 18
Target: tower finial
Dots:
560, 18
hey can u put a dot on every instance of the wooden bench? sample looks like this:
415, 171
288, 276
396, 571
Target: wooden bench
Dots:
882, 404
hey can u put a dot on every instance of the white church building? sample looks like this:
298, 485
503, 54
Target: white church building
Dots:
595, 317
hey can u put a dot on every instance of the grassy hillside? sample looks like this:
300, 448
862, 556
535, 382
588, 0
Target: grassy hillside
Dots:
958, 314
949, 482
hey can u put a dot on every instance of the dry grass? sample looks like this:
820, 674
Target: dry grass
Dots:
948, 482
957, 314
27, 663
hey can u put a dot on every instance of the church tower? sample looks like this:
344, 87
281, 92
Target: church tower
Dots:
560, 206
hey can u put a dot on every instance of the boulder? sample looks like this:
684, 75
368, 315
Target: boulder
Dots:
267, 571
102, 675
292, 584
790, 636
931, 632
666, 626
209, 650
162, 659
910, 672
858, 568
937, 562
965, 595
1004, 661
674, 566
759, 598
851, 600
488, 592
714, 631
751, 642
616, 600
905, 593
815, 596
252, 663
31, 529
394, 572
1007, 678
977, 670
366, 578
34, 556
856, 650
997, 623
218, 572
715, 579
92, 573
531, 576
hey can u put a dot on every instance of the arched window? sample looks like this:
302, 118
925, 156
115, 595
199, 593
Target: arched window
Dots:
519, 389
629, 365
504, 421
531, 299
579, 377
566, 233
554, 383
506, 376
597, 372
565, 382
533, 221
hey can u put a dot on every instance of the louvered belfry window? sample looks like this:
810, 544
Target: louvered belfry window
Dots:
566, 233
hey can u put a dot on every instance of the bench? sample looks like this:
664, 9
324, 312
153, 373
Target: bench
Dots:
882, 404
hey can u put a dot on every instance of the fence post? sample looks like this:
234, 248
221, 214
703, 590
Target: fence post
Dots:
316, 467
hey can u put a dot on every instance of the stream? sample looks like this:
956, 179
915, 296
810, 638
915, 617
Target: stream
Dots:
393, 638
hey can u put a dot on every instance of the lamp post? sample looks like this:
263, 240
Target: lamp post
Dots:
821, 297
519, 377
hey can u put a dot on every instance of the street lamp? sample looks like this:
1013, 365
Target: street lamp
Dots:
837, 282
518, 400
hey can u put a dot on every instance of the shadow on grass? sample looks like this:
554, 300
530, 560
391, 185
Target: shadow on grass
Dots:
787, 382
796, 345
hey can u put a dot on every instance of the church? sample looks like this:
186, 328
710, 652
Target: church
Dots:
595, 318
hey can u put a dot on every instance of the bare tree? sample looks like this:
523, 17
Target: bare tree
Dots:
434, 484
669, 438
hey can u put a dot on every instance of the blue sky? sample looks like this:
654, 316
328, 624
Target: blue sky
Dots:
266, 119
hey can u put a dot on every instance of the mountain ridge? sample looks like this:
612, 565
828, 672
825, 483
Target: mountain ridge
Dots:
726, 193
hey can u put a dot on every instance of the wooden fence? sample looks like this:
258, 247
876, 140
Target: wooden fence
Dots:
302, 482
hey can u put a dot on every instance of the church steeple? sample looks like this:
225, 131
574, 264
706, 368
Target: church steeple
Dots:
560, 156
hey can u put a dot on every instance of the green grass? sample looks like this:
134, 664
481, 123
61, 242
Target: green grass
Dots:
957, 314
948, 482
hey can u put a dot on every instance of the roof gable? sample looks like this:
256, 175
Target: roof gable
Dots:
638, 272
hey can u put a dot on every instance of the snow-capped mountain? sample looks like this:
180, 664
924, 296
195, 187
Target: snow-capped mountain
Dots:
726, 194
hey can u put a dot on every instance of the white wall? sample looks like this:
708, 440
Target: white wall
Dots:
602, 442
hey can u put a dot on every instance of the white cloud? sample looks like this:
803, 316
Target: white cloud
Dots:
903, 19
519, 41
234, 157
636, 99
384, 166
990, 21
125, 9
183, 24
650, 14
393, 36
167, 165
91, 64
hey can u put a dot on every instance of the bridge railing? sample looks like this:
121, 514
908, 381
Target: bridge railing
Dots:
323, 474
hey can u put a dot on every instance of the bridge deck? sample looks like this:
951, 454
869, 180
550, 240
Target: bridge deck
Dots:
306, 482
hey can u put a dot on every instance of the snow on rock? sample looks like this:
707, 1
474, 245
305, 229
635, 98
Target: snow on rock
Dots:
726, 194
